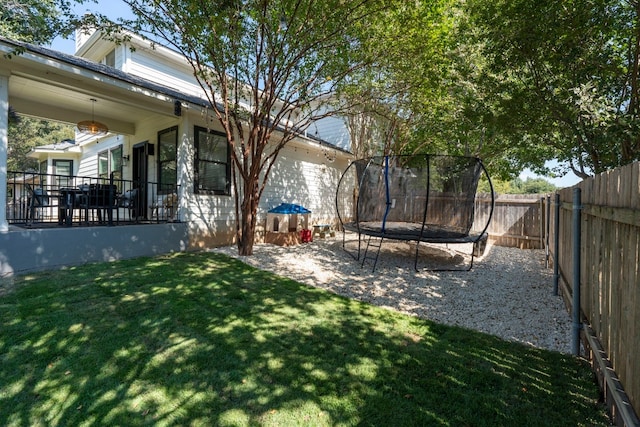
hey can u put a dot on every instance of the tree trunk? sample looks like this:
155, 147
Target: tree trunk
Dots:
249, 210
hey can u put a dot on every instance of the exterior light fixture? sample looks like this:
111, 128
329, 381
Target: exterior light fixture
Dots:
91, 126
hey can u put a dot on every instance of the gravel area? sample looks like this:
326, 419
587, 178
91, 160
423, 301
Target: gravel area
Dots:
508, 292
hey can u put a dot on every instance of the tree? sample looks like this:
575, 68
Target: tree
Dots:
33, 21
568, 77
408, 46
430, 90
269, 69
38, 22
518, 186
25, 133
516, 83
536, 186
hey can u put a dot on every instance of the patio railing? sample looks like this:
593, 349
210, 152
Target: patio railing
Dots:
38, 200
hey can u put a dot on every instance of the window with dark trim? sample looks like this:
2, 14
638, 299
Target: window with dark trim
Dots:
110, 59
167, 160
110, 161
63, 171
212, 162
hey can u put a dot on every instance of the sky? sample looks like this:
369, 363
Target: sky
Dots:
568, 180
116, 9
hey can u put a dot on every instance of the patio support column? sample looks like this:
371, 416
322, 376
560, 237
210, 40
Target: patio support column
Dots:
4, 132
185, 158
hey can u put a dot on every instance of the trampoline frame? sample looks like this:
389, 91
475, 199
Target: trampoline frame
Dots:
428, 233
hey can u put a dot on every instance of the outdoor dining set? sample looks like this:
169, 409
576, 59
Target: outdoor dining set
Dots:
98, 200
43, 200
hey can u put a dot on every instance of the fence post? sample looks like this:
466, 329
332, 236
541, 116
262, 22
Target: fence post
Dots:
547, 221
577, 207
541, 221
556, 246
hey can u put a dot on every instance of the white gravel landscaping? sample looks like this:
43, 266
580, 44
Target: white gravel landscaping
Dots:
508, 293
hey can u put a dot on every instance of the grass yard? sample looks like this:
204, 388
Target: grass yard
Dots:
201, 339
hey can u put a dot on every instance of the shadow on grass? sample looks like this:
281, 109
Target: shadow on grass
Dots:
201, 339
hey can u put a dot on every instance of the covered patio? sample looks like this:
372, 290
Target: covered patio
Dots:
43, 83
51, 220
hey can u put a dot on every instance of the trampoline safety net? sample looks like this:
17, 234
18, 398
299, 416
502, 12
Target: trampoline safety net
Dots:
418, 197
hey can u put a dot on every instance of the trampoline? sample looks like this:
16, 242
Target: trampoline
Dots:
420, 198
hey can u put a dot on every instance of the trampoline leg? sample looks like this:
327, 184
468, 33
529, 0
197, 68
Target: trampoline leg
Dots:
471, 263
344, 247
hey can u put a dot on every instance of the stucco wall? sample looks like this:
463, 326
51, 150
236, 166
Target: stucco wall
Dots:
25, 250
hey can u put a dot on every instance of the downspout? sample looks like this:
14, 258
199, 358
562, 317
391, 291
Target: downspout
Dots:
556, 246
541, 223
548, 226
4, 138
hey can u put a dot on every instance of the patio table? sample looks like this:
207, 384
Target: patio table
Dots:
68, 199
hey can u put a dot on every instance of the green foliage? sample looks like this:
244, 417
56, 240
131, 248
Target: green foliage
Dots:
200, 339
34, 21
431, 90
565, 76
516, 83
518, 186
408, 46
534, 186
25, 133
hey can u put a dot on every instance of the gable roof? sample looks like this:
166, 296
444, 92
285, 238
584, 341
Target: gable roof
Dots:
105, 70
106, 76
64, 146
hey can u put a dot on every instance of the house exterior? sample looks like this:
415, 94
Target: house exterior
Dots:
161, 132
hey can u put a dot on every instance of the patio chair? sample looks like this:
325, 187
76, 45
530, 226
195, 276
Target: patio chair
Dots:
37, 200
165, 208
128, 200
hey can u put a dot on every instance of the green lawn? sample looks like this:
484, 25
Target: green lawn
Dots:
202, 339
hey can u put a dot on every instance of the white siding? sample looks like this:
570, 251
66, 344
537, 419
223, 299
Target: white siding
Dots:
147, 131
333, 130
121, 53
302, 175
90, 148
305, 177
144, 64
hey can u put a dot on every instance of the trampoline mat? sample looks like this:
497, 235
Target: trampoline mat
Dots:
412, 231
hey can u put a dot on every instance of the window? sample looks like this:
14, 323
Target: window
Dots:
110, 162
167, 164
110, 59
212, 163
42, 168
63, 171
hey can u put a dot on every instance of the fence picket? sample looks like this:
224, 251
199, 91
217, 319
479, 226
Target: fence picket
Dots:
610, 276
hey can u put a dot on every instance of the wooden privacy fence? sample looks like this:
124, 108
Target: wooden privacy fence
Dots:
517, 219
609, 279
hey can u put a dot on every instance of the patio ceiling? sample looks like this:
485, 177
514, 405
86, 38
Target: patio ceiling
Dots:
56, 88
